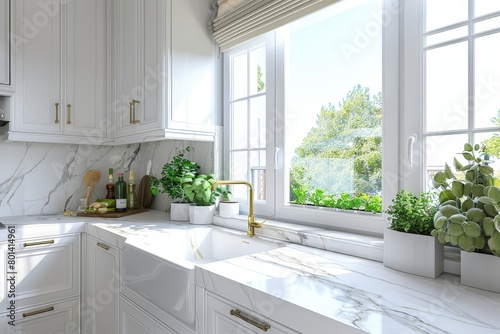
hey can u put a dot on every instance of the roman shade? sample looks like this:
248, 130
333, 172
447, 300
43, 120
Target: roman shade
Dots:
240, 20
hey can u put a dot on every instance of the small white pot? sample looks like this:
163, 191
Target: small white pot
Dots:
415, 254
480, 270
229, 209
201, 215
179, 212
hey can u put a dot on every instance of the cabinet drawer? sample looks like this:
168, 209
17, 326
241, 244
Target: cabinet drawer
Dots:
224, 316
60, 317
45, 270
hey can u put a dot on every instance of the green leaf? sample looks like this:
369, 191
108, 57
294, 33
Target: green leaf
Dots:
494, 243
467, 204
456, 218
446, 195
468, 188
486, 170
470, 175
457, 164
467, 147
479, 242
472, 229
455, 229
468, 156
476, 147
488, 225
493, 193
457, 188
447, 172
491, 209
466, 243
496, 223
477, 190
449, 210
475, 214
440, 177
454, 240
441, 222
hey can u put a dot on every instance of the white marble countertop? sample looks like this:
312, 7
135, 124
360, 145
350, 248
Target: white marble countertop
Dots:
359, 295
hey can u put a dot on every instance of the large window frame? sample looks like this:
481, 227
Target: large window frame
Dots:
363, 223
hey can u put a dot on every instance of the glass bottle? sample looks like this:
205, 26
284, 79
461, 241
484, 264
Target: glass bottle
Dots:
121, 194
131, 195
110, 187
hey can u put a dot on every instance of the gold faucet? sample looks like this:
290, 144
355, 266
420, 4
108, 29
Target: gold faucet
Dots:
252, 224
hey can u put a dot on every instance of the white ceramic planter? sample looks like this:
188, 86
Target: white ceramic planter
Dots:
480, 271
415, 254
201, 215
179, 211
229, 209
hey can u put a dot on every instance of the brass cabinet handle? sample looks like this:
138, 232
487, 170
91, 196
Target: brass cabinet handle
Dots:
57, 113
38, 243
132, 112
68, 121
103, 246
29, 314
237, 313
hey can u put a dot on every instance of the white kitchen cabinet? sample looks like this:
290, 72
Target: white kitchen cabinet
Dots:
165, 71
134, 320
60, 68
224, 316
4, 43
57, 317
101, 287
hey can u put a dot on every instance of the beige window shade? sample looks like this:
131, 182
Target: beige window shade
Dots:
240, 20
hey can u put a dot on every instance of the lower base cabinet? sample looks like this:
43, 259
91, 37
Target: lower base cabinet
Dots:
101, 287
54, 318
135, 321
223, 316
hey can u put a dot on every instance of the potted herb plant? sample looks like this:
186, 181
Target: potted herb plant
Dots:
227, 207
468, 217
408, 244
199, 192
174, 175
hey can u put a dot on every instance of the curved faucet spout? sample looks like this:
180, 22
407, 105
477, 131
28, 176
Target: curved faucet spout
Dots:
252, 224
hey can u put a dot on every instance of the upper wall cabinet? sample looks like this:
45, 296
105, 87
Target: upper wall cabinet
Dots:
4, 43
165, 70
60, 51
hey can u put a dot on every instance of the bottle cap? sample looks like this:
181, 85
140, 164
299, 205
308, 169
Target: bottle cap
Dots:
120, 174
110, 171
131, 175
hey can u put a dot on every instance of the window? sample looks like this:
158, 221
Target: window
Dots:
461, 80
306, 117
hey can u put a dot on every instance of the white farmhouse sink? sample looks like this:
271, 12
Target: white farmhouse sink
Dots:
158, 269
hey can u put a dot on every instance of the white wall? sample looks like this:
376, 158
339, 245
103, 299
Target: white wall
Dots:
38, 178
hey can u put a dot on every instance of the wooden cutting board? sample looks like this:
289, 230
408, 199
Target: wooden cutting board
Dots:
112, 214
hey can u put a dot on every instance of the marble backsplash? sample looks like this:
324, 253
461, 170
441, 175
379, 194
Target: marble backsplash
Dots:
37, 178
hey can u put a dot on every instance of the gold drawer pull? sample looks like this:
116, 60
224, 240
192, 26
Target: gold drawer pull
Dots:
68, 107
103, 246
238, 314
132, 112
57, 113
38, 243
29, 314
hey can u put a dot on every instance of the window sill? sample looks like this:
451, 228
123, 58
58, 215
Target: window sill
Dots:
363, 246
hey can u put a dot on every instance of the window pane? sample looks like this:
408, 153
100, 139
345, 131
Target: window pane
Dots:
493, 23
446, 36
239, 165
239, 124
440, 150
441, 13
487, 79
257, 70
239, 76
490, 144
258, 173
333, 103
447, 88
258, 122
482, 7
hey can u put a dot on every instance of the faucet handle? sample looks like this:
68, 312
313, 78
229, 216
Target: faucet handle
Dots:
259, 224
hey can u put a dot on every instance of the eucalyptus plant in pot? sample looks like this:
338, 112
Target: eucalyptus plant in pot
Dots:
199, 192
469, 217
227, 207
174, 175
408, 244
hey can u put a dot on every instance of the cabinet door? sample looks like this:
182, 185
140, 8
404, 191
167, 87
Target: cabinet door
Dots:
85, 75
134, 320
102, 285
46, 269
60, 317
37, 46
140, 37
4, 42
223, 316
